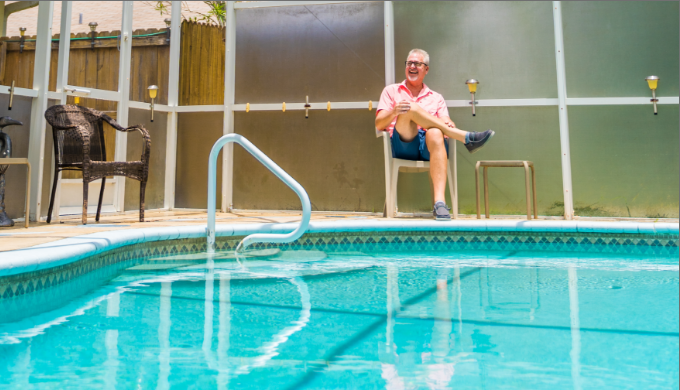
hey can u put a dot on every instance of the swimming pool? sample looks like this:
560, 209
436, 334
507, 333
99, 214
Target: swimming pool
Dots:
397, 310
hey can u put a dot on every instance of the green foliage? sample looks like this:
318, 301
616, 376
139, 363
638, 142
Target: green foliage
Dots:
217, 15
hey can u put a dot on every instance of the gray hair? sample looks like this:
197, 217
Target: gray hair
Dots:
426, 57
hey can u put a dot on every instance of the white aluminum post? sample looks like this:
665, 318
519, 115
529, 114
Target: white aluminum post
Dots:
173, 101
62, 80
388, 21
124, 99
229, 96
41, 74
564, 119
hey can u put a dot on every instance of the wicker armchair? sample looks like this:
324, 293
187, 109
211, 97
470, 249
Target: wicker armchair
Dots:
79, 145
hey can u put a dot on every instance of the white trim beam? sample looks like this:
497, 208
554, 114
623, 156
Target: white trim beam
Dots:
229, 97
173, 102
62, 80
388, 25
19, 91
201, 108
147, 106
504, 102
123, 96
619, 101
41, 77
270, 4
563, 116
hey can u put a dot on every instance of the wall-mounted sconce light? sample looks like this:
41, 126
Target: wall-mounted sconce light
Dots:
328, 106
472, 86
76, 100
307, 106
247, 107
283, 107
168, 22
11, 96
153, 91
93, 33
653, 82
370, 105
22, 31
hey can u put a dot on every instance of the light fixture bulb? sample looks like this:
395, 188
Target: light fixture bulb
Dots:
22, 31
472, 85
93, 26
168, 22
153, 91
652, 81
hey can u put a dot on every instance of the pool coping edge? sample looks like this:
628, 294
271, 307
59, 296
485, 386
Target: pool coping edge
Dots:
72, 249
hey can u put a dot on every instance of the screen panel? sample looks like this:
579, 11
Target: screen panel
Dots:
197, 132
611, 46
507, 46
155, 186
625, 161
332, 52
334, 155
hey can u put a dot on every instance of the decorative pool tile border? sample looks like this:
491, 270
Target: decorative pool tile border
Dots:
651, 244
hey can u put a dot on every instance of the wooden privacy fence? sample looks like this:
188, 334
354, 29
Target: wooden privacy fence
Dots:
201, 64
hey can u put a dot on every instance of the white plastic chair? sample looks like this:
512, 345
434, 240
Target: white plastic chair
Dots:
395, 165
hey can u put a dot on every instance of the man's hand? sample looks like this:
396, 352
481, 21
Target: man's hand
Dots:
402, 107
449, 123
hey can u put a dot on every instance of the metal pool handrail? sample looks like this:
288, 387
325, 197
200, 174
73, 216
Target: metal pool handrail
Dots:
280, 173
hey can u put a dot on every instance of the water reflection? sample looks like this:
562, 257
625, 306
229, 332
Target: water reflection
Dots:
575, 329
164, 325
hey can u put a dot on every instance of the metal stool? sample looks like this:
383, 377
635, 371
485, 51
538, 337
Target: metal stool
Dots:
22, 161
505, 164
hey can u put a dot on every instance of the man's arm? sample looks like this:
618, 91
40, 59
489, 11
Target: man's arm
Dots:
385, 117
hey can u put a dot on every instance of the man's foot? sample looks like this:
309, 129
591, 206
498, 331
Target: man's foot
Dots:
477, 140
441, 212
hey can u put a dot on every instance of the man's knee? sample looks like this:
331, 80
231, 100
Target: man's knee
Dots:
434, 136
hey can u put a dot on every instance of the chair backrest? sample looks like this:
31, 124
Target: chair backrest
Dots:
68, 146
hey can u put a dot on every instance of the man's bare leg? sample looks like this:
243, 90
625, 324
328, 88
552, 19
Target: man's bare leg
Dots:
416, 116
436, 144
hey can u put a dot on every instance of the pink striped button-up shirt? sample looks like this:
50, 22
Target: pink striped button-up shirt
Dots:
430, 101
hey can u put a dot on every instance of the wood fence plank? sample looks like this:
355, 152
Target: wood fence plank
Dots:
3, 57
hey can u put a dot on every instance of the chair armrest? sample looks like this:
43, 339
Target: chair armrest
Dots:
140, 128
381, 133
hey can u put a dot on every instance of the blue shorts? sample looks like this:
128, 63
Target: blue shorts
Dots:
415, 150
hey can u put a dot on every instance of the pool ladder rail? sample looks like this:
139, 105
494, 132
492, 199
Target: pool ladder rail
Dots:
276, 170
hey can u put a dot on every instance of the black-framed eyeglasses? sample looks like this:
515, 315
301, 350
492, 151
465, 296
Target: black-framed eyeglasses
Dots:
416, 64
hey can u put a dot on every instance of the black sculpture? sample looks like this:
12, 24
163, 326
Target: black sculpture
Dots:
5, 152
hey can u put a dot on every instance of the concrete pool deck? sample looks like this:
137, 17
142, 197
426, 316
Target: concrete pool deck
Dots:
18, 237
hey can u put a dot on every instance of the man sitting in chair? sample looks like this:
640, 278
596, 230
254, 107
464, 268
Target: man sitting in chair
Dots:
421, 120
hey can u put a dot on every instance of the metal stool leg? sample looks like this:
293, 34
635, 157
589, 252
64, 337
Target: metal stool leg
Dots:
526, 184
533, 185
477, 188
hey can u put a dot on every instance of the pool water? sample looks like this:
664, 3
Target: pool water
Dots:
305, 319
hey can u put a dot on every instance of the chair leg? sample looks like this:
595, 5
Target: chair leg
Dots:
101, 198
454, 213
392, 210
54, 191
85, 188
142, 190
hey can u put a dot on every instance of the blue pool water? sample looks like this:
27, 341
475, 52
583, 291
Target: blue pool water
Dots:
390, 319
